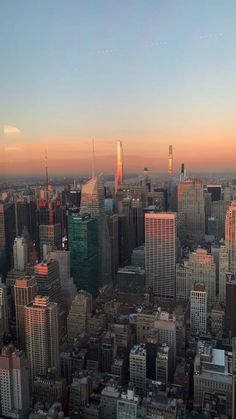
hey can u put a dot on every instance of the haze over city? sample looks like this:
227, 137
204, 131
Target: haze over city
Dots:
147, 73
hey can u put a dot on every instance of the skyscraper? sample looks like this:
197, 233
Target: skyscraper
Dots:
81, 308
14, 383
230, 236
160, 253
83, 246
170, 161
25, 290
7, 235
198, 309
137, 368
48, 281
191, 206
119, 165
20, 255
42, 343
3, 311
92, 202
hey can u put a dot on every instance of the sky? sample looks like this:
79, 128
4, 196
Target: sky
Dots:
146, 72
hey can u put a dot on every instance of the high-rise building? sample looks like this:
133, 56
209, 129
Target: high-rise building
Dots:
223, 270
20, 253
160, 253
165, 332
191, 205
84, 249
14, 383
163, 364
199, 267
47, 277
119, 165
218, 211
42, 342
137, 368
3, 310
7, 235
25, 290
230, 312
92, 202
215, 191
198, 309
68, 289
49, 237
80, 311
230, 236
113, 227
170, 161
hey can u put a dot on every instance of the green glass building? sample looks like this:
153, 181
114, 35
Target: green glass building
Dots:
83, 246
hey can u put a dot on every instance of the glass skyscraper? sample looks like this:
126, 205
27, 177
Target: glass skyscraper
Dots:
83, 245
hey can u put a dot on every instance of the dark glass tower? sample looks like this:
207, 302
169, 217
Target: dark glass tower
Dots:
83, 246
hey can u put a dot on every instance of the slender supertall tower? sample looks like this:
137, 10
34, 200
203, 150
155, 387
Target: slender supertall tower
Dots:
119, 165
170, 161
46, 173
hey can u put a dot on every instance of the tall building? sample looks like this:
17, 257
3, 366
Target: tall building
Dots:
14, 383
3, 311
42, 342
20, 253
170, 161
119, 165
223, 270
199, 267
80, 311
7, 235
198, 309
47, 277
92, 202
191, 205
218, 211
230, 312
230, 236
49, 237
160, 253
68, 289
25, 290
165, 332
84, 249
137, 368
163, 364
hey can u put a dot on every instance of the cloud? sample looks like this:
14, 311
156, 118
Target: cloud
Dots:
12, 148
9, 129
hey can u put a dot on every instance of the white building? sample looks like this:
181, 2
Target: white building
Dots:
20, 253
14, 383
160, 253
137, 368
198, 309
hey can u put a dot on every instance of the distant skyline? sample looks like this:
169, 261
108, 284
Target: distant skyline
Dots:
148, 73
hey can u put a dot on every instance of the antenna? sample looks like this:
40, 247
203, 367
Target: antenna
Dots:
93, 159
46, 172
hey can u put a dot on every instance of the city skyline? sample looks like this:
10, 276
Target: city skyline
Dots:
147, 74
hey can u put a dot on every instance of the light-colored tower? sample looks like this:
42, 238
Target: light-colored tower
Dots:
14, 383
165, 333
119, 165
20, 253
230, 236
160, 253
170, 161
81, 309
198, 309
223, 270
42, 343
191, 206
137, 368
92, 202
25, 290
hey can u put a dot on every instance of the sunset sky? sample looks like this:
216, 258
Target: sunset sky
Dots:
147, 72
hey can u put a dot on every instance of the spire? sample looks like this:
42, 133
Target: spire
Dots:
170, 161
46, 172
119, 165
93, 159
